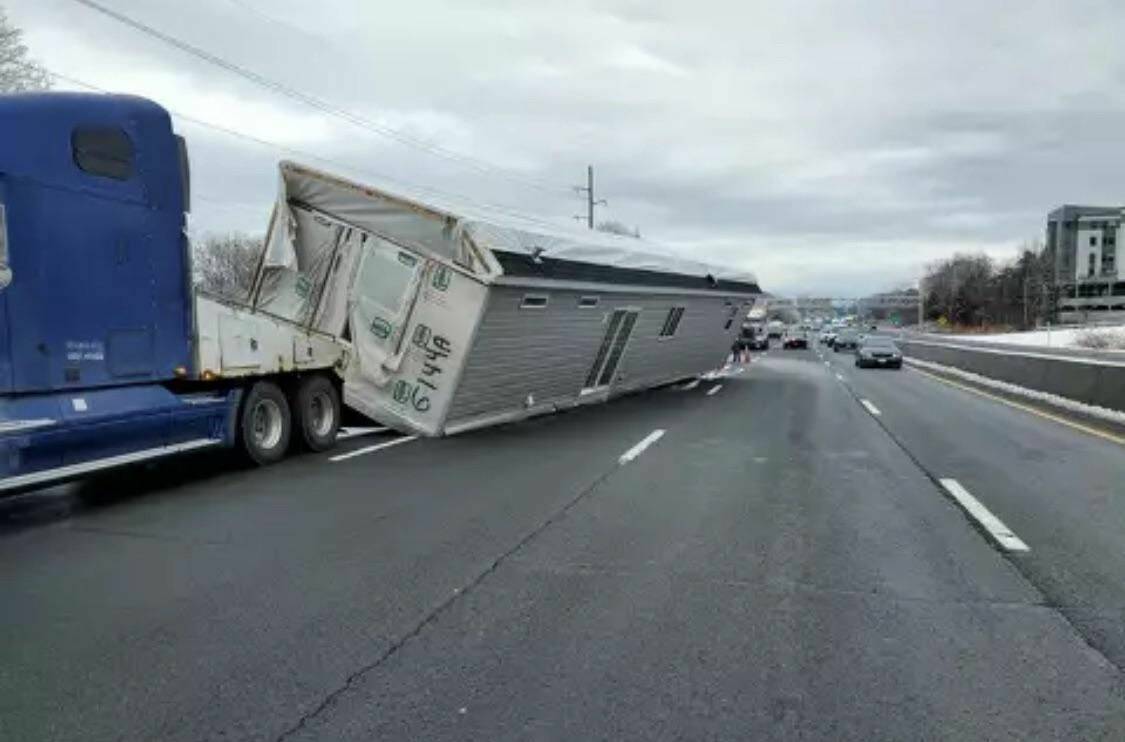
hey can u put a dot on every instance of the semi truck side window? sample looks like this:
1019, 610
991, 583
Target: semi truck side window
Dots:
105, 151
185, 172
5, 270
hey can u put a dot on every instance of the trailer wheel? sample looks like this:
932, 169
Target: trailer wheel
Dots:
266, 423
317, 406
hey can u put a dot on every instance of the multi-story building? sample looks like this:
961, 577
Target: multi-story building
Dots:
1082, 241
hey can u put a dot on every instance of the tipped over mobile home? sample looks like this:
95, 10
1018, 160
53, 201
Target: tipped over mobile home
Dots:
456, 319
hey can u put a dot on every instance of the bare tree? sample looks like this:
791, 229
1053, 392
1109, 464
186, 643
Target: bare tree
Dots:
18, 72
614, 227
972, 290
225, 264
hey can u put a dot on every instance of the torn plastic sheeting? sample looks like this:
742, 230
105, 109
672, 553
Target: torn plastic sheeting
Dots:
292, 289
429, 230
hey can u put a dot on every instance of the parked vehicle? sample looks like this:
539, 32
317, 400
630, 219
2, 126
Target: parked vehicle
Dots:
775, 329
878, 351
429, 320
753, 337
846, 339
827, 336
795, 338
108, 355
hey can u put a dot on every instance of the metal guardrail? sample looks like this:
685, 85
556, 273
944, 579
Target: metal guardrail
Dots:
954, 341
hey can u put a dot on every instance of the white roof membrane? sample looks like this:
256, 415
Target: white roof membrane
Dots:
397, 216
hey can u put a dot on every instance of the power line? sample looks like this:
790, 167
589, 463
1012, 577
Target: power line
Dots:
317, 103
484, 205
277, 21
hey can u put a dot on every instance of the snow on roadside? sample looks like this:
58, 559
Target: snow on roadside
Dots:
1064, 337
1102, 413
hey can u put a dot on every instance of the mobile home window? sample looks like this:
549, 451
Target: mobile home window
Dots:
671, 322
105, 151
536, 301
730, 317
588, 302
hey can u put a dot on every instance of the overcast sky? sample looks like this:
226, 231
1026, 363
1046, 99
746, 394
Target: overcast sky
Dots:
831, 147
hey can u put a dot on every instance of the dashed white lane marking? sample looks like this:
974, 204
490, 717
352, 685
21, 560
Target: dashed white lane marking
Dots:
373, 449
870, 407
984, 516
690, 385
839, 378
346, 433
740, 369
826, 363
638, 449
714, 390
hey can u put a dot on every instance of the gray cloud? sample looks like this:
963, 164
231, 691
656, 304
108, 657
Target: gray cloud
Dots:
829, 146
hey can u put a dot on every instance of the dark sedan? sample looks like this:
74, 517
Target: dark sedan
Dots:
877, 351
847, 339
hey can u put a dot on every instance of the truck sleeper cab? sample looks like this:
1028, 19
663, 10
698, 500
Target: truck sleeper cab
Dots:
99, 353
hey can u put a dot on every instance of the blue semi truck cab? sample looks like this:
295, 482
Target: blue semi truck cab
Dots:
108, 356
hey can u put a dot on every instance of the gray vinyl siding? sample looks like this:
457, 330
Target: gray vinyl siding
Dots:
547, 352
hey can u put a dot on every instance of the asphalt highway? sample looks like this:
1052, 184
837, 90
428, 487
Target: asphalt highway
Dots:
774, 554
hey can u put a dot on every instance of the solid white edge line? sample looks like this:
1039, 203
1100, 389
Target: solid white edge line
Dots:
638, 449
346, 433
984, 516
714, 390
372, 449
870, 407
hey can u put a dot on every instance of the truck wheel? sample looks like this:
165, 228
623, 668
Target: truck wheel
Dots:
266, 423
318, 413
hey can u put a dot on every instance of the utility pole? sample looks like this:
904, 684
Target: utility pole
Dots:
590, 201
921, 301
1025, 307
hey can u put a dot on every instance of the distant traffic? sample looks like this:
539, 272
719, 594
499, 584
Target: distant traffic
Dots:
871, 349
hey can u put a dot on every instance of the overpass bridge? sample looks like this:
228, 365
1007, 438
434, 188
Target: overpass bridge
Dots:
899, 302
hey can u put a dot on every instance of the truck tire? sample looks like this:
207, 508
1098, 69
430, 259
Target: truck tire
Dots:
317, 407
265, 424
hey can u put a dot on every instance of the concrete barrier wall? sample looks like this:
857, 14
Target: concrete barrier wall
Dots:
1100, 384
